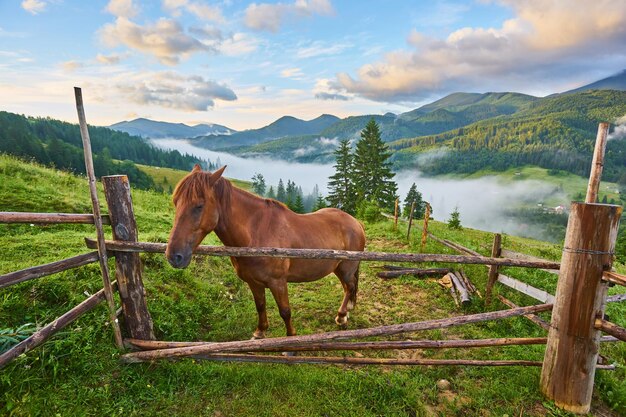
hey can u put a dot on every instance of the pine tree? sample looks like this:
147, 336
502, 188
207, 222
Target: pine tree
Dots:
298, 205
373, 177
455, 220
271, 193
342, 193
281, 194
258, 184
420, 205
320, 203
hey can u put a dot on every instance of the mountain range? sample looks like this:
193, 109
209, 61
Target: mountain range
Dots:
491, 130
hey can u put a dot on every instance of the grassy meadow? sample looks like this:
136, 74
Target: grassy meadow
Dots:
77, 372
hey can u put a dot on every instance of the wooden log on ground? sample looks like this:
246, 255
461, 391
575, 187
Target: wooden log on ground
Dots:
48, 269
460, 288
573, 341
469, 284
330, 346
492, 277
611, 328
413, 271
137, 319
48, 218
95, 204
280, 342
532, 317
322, 254
527, 289
361, 361
50, 329
597, 163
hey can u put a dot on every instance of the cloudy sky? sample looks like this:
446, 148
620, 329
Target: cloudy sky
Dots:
244, 64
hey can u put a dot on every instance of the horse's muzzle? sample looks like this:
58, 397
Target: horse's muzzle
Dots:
179, 260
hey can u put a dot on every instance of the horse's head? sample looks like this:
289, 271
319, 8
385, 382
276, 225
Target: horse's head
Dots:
197, 214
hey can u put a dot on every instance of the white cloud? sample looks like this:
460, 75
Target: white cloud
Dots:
334, 142
122, 8
295, 73
34, 6
165, 39
544, 37
71, 66
319, 48
238, 44
197, 8
270, 16
108, 59
173, 90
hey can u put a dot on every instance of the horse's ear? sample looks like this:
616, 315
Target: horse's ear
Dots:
196, 168
216, 175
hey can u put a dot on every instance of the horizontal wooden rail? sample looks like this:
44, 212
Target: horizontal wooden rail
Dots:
360, 361
280, 342
453, 245
616, 298
48, 218
322, 254
517, 255
378, 345
48, 330
47, 269
614, 278
527, 289
611, 328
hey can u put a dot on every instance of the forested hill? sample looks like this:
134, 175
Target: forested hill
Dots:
57, 143
555, 132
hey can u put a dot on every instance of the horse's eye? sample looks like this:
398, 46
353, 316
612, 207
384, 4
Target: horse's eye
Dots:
198, 208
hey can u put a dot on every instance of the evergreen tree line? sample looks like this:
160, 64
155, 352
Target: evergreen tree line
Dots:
290, 194
59, 144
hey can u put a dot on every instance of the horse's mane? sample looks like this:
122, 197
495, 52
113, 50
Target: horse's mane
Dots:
194, 186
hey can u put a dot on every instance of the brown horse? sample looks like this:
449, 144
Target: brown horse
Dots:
206, 202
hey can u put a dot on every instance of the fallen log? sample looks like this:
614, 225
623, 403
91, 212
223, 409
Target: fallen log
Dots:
322, 254
460, 288
280, 342
329, 346
413, 271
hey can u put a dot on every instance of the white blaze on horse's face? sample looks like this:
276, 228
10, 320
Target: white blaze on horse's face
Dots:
197, 215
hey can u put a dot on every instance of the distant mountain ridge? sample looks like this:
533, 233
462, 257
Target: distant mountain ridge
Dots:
614, 82
154, 129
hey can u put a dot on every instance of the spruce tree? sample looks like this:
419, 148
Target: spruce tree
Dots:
420, 205
281, 194
455, 220
298, 205
373, 177
320, 203
271, 193
258, 184
342, 192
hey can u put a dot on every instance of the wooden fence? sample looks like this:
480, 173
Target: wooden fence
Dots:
572, 342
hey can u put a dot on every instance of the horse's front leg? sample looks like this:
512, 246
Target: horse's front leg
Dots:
258, 292
278, 287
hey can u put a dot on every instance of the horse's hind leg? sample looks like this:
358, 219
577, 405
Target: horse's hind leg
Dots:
258, 292
348, 274
281, 295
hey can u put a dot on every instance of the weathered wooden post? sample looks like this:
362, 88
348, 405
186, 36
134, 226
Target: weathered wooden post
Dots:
395, 216
496, 251
573, 340
408, 232
571, 354
425, 228
137, 319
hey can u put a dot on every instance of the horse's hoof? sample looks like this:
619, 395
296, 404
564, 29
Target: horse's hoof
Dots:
341, 322
258, 336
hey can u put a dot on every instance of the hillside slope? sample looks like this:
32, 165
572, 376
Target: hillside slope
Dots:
78, 371
155, 129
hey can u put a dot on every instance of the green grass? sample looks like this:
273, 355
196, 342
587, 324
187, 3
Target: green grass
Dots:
78, 372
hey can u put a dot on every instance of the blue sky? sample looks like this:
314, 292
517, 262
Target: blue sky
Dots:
244, 64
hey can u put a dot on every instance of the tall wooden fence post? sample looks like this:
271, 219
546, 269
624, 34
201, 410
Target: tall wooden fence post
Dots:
137, 319
425, 228
569, 364
593, 188
496, 251
408, 231
395, 216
